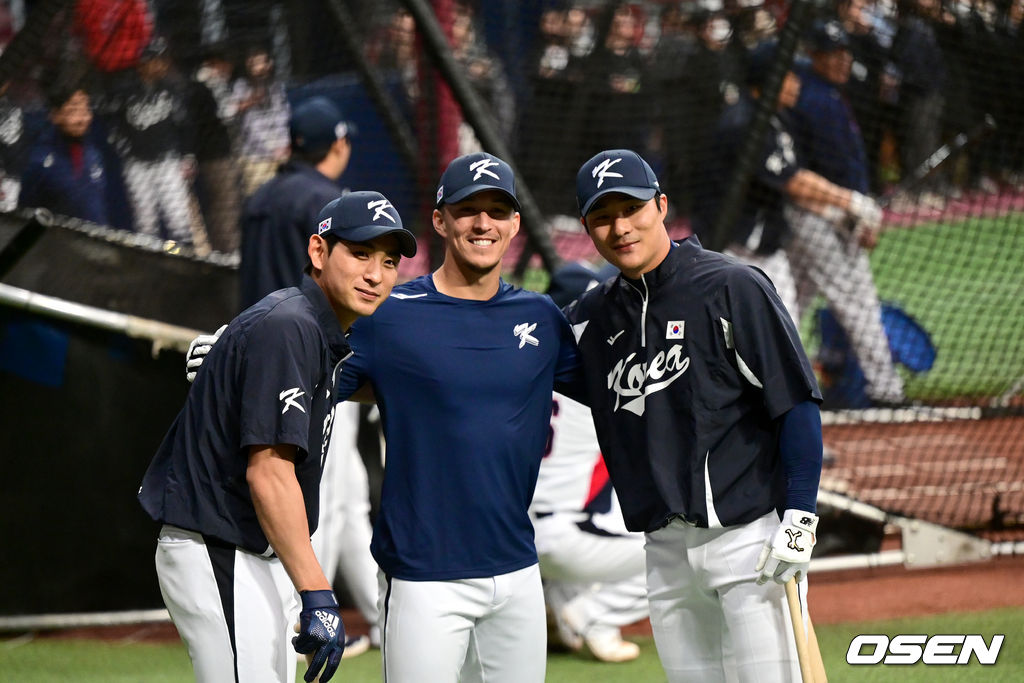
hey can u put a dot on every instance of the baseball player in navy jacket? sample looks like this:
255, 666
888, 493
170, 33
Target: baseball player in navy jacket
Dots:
235, 480
706, 410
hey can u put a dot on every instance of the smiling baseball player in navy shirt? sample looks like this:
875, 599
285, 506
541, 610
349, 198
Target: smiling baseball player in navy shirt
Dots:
706, 411
462, 366
235, 480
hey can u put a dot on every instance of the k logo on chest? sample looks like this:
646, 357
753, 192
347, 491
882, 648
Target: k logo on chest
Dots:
524, 332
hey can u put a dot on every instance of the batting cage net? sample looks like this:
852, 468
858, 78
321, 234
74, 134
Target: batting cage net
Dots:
868, 155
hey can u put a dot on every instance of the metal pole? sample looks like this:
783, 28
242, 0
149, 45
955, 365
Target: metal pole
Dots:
163, 335
396, 124
483, 125
585, 98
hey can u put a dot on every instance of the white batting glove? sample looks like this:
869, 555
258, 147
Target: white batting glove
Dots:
197, 351
865, 211
787, 553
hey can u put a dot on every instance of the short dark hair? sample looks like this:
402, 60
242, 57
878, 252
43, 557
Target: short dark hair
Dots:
332, 241
61, 90
310, 156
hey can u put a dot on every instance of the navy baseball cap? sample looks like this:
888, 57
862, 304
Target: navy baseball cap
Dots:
614, 170
472, 173
828, 36
363, 216
316, 123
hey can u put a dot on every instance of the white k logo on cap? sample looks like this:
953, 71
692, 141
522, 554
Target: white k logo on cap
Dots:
481, 168
379, 206
601, 170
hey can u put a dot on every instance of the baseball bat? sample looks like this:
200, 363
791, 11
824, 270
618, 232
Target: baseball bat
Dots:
925, 169
817, 663
797, 617
940, 156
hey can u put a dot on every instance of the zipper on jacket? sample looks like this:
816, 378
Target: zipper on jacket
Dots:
643, 313
644, 295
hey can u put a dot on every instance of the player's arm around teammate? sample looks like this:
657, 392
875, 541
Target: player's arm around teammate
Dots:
706, 411
235, 480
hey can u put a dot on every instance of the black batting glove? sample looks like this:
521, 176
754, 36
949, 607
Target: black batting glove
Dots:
321, 632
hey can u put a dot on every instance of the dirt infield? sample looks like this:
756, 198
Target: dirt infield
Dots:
965, 474
893, 592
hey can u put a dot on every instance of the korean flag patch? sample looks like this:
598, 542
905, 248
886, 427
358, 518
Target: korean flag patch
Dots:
324, 226
674, 329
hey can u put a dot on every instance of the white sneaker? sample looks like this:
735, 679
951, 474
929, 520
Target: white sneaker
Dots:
355, 646
609, 646
604, 642
563, 631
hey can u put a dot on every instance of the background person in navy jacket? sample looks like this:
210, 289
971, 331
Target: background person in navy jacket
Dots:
65, 171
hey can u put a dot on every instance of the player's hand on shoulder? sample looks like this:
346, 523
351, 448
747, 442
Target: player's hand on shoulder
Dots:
787, 552
198, 350
321, 633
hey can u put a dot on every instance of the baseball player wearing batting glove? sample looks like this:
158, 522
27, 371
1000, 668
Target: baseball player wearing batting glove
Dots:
787, 553
460, 587
321, 633
235, 481
825, 257
706, 411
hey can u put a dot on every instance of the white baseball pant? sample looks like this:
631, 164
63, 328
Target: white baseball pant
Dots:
232, 608
158, 188
342, 538
824, 263
489, 630
711, 620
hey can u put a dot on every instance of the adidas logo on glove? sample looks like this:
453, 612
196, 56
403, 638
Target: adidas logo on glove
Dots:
330, 621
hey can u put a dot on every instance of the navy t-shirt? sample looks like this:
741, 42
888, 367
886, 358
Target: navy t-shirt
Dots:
267, 381
464, 389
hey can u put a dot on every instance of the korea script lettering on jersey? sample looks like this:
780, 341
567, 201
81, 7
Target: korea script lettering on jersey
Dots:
637, 381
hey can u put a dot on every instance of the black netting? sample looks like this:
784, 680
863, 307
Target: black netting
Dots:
930, 317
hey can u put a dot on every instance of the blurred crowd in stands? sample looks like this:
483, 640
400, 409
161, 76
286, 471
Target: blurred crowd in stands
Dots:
190, 100
921, 72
